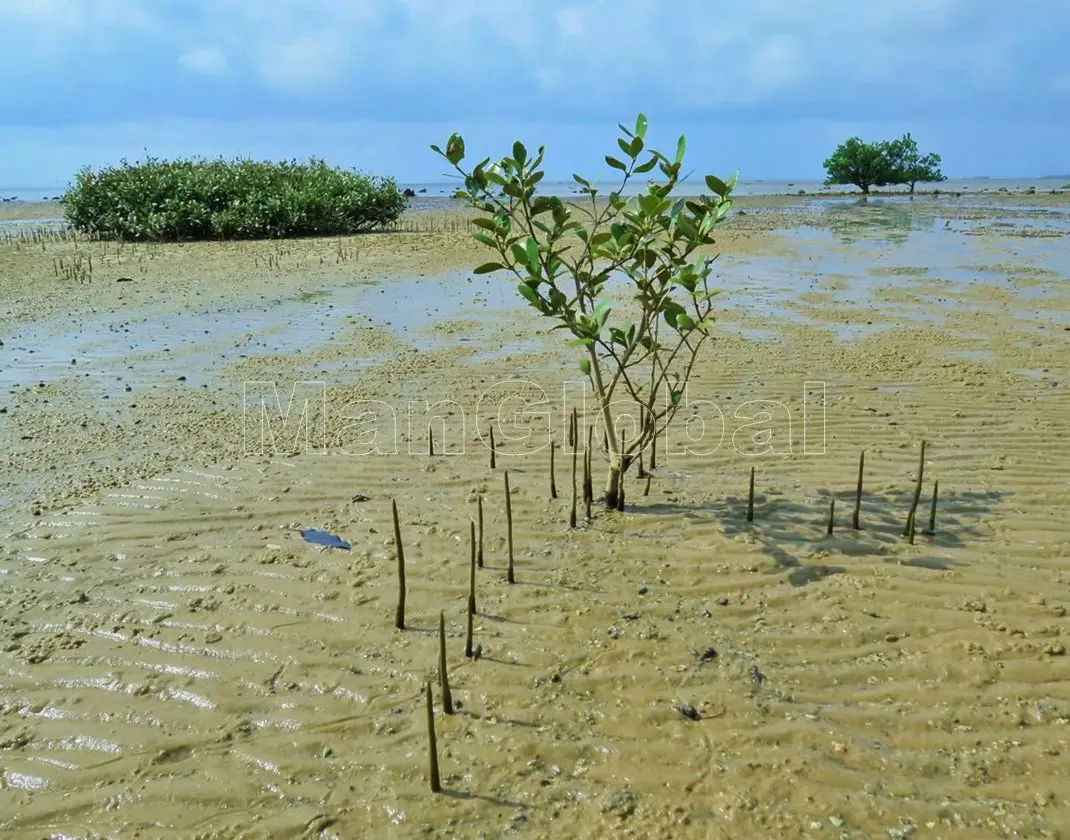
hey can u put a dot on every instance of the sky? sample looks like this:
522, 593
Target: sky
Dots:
765, 87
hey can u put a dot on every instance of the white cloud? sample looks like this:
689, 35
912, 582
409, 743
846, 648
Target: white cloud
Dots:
50, 20
305, 63
577, 55
40, 12
570, 21
210, 61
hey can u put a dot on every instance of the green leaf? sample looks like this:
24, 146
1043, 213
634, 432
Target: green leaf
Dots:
676, 396
624, 146
616, 164
520, 254
585, 366
435, 148
532, 249
487, 268
684, 323
640, 125
486, 240
646, 167
520, 154
582, 181
541, 204
672, 312
601, 313
635, 147
529, 294
681, 147
717, 186
455, 149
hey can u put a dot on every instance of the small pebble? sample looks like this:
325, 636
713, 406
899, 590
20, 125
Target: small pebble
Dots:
689, 712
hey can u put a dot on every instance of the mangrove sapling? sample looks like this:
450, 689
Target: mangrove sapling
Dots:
917, 492
588, 480
585, 484
750, 497
510, 576
572, 512
479, 547
468, 652
472, 566
565, 255
932, 508
858, 491
443, 676
588, 496
399, 614
553, 482
620, 474
432, 742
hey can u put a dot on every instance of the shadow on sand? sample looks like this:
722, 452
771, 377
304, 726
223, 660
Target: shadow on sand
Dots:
782, 529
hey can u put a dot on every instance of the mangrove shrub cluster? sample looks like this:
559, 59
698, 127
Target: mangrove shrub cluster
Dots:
228, 199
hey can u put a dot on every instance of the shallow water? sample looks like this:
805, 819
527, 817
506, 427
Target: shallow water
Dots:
115, 350
890, 252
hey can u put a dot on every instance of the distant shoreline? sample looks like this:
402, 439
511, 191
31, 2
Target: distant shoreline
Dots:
49, 211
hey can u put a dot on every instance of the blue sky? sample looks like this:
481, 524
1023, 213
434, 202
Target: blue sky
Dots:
764, 86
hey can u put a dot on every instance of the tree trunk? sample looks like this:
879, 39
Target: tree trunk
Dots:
864, 188
912, 183
612, 482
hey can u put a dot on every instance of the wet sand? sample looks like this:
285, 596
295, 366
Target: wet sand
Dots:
177, 662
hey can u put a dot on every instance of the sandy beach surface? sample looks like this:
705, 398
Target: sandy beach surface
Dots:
176, 661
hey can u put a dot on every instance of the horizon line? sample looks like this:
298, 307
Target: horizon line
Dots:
741, 180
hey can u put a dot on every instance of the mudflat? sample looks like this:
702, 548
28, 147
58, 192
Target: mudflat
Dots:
176, 661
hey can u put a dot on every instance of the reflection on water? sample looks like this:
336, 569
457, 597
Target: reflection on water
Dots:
892, 221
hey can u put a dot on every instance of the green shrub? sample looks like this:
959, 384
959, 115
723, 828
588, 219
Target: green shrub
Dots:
222, 199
